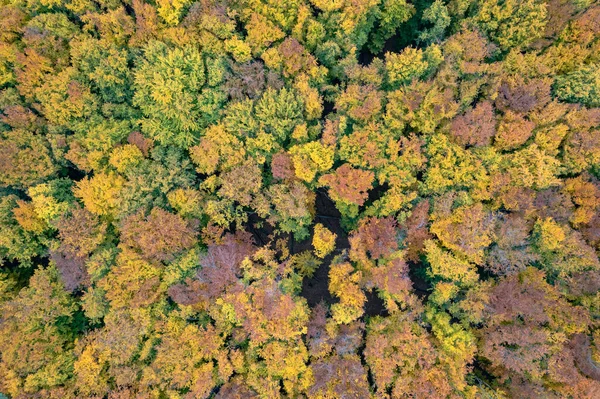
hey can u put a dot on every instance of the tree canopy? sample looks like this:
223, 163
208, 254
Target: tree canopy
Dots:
299, 199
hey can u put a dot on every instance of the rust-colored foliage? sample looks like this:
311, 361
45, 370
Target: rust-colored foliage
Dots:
339, 376
348, 184
141, 142
513, 131
417, 231
476, 127
374, 238
402, 358
523, 313
159, 236
295, 57
523, 98
80, 233
511, 252
221, 264
580, 345
282, 166
236, 389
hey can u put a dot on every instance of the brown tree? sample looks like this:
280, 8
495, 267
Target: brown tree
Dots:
80, 233
158, 236
476, 127
348, 184
375, 238
417, 231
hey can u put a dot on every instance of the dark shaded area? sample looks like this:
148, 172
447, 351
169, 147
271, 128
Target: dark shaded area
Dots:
417, 274
405, 36
73, 173
316, 288
374, 305
393, 44
375, 194
259, 228
479, 371
328, 107
23, 274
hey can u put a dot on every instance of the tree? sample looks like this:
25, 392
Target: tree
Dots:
361, 103
162, 164
184, 358
392, 14
105, 66
19, 241
512, 250
585, 195
349, 185
25, 159
451, 166
339, 376
465, 230
512, 24
217, 150
293, 206
404, 360
72, 271
402, 68
170, 90
580, 86
311, 159
323, 240
42, 317
417, 231
344, 284
279, 112
250, 80
438, 15
242, 184
524, 312
375, 238
444, 265
221, 266
65, 101
476, 127
282, 166
562, 250
80, 233
513, 131
159, 236
100, 194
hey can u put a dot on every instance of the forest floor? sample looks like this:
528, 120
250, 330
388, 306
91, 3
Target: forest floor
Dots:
316, 288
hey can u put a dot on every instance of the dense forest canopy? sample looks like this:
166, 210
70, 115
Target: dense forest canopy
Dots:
299, 199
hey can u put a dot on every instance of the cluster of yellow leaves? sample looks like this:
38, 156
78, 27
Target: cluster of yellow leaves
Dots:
310, 159
344, 284
100, 194
323, 240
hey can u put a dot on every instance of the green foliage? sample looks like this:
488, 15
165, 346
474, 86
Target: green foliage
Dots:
580, 86
279, 112
170, 89
392, 15
42, 355
16, 242
436, 14
512, 23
